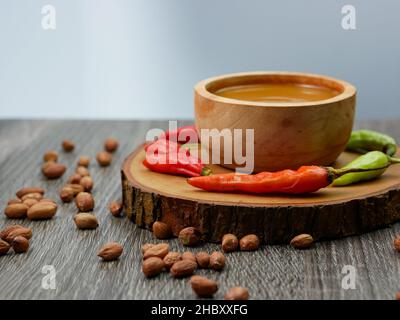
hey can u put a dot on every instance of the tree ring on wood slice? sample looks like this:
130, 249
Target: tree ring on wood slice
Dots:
332, 212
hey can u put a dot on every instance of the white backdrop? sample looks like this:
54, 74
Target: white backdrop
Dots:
141, 59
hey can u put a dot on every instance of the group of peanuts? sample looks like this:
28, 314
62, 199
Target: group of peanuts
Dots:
30, 202
157, 258
15, 236
54, 170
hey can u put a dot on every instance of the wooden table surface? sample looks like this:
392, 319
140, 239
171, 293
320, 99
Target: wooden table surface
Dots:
275, 272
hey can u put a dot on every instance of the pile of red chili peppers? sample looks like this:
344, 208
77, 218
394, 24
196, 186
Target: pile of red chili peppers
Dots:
166, 155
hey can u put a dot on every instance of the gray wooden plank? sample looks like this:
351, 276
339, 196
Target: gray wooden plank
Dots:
275, 272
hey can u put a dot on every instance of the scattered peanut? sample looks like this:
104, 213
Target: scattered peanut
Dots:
116, 208
183, 268
83, 161
16, 210
110, 251
111, 145
21, 192
158, 250
86, 221
249, 243
217, 260
42, 210
203, 259
84, 201
229, 243
302, 241
171, 258
237, 293
161, 230
189, 236
50, 156
87, 183
104, 158
152, 266
68, 145
53, 170
20, 244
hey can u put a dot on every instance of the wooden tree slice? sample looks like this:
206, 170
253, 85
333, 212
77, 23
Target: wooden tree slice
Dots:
329, 213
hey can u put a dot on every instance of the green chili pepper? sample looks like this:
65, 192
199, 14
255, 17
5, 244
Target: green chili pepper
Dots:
368, 140
371, 160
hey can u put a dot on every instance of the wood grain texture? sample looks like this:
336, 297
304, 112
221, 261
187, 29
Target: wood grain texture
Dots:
329, 213
275, 272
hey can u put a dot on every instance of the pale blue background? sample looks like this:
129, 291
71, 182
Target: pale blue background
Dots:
140, 59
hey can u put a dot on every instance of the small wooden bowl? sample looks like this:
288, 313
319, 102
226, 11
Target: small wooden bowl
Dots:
286, 135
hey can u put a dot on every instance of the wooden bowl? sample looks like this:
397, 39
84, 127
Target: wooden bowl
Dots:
286, 134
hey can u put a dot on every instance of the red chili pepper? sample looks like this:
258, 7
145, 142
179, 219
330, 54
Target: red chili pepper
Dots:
183, 134
169, 157
162, 146
304, 180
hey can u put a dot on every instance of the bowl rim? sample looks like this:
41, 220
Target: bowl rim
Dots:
201, 89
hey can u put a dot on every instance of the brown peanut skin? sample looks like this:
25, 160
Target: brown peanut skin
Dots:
203, 286
152, 266
189, 236
104, 158
21, 192
146, 246
171, 258
396, 244
53, 170
42, 210
250, 242
74, 178
217, 260
237, 293
187, 255
68, 145
110, 251
66, 194
13, 201
50, 155
183, 268
82, 171
18, 232
161, 230
159, 250
35, 195
116, 208
20, 244
30, 202
86, 221
4, 247
84, 161
84, 201
111, 145
302, 241
7, 230
203, 259
16, 211
230, 243
87, 183
75, 187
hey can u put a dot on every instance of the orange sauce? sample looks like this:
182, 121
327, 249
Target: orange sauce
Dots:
277, 92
